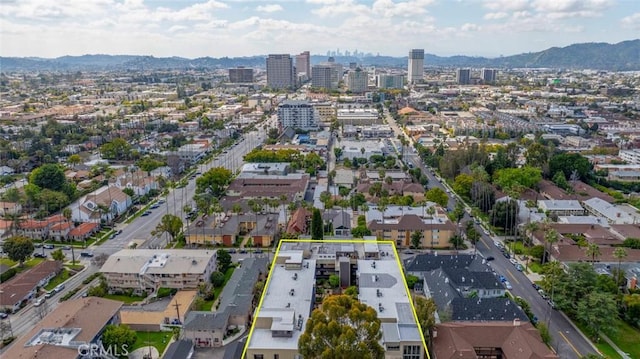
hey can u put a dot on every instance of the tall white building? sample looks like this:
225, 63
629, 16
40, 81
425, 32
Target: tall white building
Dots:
357, 81
416, 66
280, 72
297, 114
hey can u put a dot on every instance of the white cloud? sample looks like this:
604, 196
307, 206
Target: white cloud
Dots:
470, 27
269, 8
506, 5
631, 21
495, 15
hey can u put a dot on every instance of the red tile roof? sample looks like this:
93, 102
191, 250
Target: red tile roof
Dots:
83, 229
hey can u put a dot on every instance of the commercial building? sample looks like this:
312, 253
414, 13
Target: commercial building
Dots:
390, 81
280, 72
361, 149
290, 296
416, 66
488, 75
358, 116
297, 114
463, 76
303, 63
322, 77
147, 270
357, 81
241, 75
68, 331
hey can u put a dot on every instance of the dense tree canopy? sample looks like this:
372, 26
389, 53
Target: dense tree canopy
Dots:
18, 248
342, 328
49, 176
118, 336
570, 162
171, 224
437, 195
117, 149
508, 178
214, 180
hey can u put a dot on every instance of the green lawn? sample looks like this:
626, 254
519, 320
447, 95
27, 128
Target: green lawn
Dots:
7, 262
626, 338
75, 267
159, 340
30, 264
124, 298
227, 275
535, 267
63, 276
606, 349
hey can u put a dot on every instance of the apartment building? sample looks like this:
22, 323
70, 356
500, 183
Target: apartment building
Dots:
385, 81
147, 270
241, 75
297, 114
357, 81
630, 156
416, 66
290, 296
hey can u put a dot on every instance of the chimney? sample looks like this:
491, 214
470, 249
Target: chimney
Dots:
516, 322
434, 333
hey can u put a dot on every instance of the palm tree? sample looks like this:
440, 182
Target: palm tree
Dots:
529, 229
382, 206
456, 241
593, 251
551, 236
283, 200
431, 211
619, 253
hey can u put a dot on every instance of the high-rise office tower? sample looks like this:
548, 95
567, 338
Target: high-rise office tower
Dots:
303, 63
416, 66
280, 72
463, 76
241, 75
488, 75
357, 81
322, 76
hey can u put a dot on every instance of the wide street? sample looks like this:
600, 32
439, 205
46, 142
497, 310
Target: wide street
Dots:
566, 340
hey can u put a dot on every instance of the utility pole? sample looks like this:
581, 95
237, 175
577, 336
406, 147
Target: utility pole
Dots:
177, 306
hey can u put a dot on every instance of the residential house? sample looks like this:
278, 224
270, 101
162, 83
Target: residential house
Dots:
103, 204
138, 181
551, 191
24, 286
60, 231
398, 223
613, 213
340, 220
83, 231
209, 230
81, 320
298, 224
237, 304
251, 186
39, 229
561, 207
474, 340
10, 208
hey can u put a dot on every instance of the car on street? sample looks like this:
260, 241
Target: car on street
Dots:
119, 231
502, 278
551, 303
59, 288
49, 294
490, 258
506, 255
146, 213
497, 244
513, 261
4, 315
231, 250
39, 255
535, 286
543, 294
37, 245
258, 251
67, 248
85, 294
519, 267
39, 301
48, 246
508, 285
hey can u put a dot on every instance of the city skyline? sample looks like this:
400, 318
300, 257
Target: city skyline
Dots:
217, 28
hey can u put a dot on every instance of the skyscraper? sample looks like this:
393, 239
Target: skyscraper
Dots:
357, 81
240, 75
303, 63
488, 75
280, 72
463, 76
322, 76
416, 66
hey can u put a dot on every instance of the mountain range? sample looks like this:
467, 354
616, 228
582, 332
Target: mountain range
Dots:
623, 56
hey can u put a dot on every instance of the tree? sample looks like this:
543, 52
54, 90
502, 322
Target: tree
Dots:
619, 253
425, 312
597, 311
49, 176
537, 155
342, 328
214, 180
569, 162
462, 184
217, 279
118, 336
593, 251
411, 281
18, 248
416, 239
171, 224
317, 227
551, 236
57, 255
437, 195
224, 261
560, 180
508, 178
337, 151
456, 241
334, 280
117, 149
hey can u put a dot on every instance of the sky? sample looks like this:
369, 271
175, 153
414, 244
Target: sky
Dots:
217, 28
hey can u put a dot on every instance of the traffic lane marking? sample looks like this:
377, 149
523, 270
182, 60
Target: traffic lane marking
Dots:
568, 342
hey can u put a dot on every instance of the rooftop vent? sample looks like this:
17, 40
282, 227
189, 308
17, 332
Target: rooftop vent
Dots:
373, 264
292, 292
380, 308
295, 276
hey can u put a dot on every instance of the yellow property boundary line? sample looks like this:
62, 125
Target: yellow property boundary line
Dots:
352, 241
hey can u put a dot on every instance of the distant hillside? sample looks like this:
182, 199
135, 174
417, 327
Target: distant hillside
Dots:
598, 56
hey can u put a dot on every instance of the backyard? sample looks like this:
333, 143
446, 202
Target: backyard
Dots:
61, 277
159, 340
